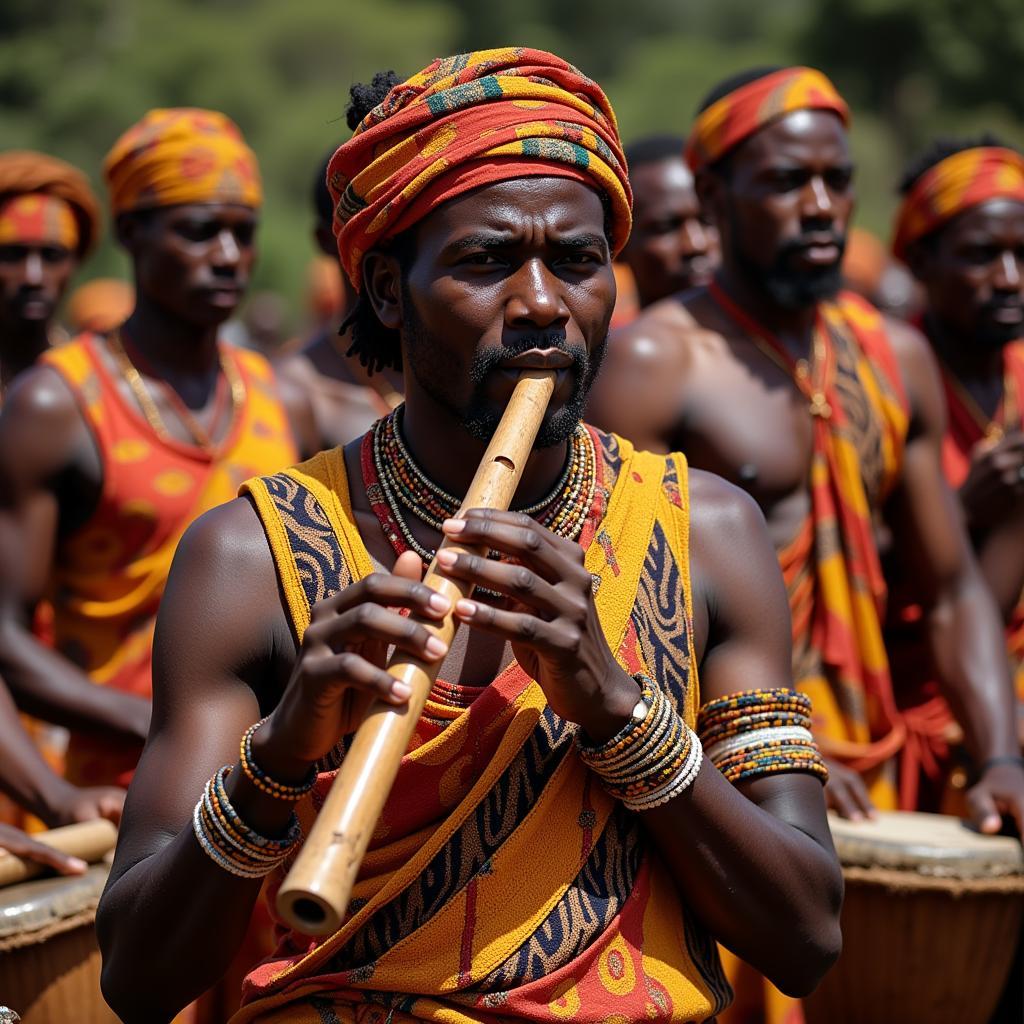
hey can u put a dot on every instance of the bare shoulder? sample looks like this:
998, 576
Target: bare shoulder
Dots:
42, 429
909, 345
664, 334
721, 514
920, 372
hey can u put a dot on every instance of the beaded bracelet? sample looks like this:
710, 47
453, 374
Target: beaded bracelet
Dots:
760, 732
262, 781
651, 759
229, 842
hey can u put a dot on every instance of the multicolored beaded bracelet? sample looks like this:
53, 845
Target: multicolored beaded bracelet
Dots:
262, 781
652, 758
229, 842
760, 732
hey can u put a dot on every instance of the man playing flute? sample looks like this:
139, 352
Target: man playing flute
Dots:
611, 772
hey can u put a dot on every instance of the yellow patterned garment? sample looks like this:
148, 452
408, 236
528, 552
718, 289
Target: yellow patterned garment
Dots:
109, 574
502, 882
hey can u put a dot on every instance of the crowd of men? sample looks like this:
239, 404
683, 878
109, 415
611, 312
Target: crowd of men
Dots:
782, 488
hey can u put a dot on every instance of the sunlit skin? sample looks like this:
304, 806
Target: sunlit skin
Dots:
783, 204
672, 246
33, 279
192, 264
973, 272
514, 263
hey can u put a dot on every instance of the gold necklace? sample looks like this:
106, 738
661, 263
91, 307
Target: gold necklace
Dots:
137, 386
1006, 413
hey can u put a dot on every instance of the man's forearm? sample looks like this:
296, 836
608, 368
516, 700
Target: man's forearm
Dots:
969, 648
47, 685
765, 889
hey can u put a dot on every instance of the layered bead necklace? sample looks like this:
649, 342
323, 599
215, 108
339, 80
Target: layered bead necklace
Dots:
397, 486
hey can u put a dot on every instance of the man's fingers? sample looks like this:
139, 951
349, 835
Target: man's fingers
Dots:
409, 566
984, 813
840, 800
21, 845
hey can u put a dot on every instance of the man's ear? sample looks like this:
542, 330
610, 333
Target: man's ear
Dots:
382, 286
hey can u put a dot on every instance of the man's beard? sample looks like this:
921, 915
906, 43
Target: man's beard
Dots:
434, 374
784, 284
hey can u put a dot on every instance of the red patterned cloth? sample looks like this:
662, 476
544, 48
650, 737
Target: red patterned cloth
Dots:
728, 121
468, 121
963, 180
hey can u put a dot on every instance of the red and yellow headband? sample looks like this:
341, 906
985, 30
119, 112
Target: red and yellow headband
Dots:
36, 218
736, 116
468, 121
181, 155
963, 180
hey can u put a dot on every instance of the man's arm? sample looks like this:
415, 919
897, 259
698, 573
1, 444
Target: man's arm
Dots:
45, 446
638, 393
964, 627
223, 657
31, 783
755, 861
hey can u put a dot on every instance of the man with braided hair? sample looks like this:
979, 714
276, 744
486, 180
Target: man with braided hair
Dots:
556, 845
960, 228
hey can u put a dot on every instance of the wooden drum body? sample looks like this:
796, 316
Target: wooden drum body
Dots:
930, 922
49, 960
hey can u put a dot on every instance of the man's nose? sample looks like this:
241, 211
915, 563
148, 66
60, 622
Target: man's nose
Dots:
817, 203
1007, 276
694, 237
227, 251
33, 269
536, 298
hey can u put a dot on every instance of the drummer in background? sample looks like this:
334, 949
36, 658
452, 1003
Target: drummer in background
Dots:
49, 222
523, 868
346, 397
961, 231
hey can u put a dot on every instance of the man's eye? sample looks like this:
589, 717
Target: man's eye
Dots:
197, 231
480, 259
54, 253
839, 180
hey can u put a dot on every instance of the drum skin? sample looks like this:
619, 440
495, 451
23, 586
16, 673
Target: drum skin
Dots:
49, 960
930, 923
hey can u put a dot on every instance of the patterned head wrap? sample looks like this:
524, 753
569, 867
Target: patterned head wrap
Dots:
100, 305
963, 180
181, 155
735, 117
468, 121
43, 199
35, 218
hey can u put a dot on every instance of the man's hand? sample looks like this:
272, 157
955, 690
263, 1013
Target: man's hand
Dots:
846, 794
999, 792
17, 842
86, 804
344, 648
551, 620
995, 481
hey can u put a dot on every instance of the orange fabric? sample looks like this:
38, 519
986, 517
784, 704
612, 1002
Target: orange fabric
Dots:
110, 574
181, 155
953, 185
35, 218
836, 587
467, 121
735, 117
25, 171
100, 306
864, 262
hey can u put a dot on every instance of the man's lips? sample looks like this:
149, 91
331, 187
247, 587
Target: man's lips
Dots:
1010, 313
538, 359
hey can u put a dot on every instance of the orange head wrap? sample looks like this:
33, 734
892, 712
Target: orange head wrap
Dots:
181, 155
468, 121
43, 199
100, 305
736, 116
34, 218
953, 185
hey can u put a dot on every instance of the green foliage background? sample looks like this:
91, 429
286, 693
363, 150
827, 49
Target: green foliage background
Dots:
76, 73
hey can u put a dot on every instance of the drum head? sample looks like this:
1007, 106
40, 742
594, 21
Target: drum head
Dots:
930, 844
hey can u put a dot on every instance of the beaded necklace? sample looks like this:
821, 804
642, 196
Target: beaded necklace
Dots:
200, 435
395, 484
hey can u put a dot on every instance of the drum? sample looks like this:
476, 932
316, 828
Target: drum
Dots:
49, 960
930, 922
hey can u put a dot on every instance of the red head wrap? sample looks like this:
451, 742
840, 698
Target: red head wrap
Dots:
736, 116
953, 185
468, 121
